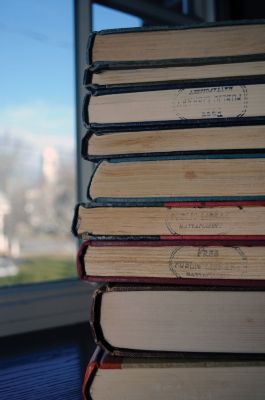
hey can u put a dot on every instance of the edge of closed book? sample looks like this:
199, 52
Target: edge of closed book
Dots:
101, 341
99, 90
179, 123
198, 204
97, 66
175, 281
86, 155
92, 367
102, 360
147, 200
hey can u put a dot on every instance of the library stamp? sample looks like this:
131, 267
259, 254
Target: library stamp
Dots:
209, 262
211, 102
194, 221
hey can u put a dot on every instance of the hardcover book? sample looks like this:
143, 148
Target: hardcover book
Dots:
112, 78
179, 262
177, 105
157, 320
181, 45
226, 139
194, 178
186, 220
184, 378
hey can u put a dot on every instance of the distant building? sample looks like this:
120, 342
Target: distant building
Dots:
41, 199
50, 165
4, 210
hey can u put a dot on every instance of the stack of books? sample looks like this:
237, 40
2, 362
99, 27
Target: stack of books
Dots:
175, 226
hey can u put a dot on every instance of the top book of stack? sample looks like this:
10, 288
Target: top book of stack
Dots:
176, 45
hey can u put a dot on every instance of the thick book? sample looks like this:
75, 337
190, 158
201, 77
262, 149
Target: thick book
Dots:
194, 178
177, 105
112, 78
187, 220
184, 378
180, 45
177, 262
157, 320
141, 143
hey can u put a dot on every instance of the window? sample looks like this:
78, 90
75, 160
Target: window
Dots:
108, 18
37, 159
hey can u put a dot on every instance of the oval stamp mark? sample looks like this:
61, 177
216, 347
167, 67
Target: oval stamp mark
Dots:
195, 221
211, 102
209, 262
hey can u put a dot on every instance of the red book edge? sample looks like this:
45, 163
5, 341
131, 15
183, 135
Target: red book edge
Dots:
99, 360
156, 280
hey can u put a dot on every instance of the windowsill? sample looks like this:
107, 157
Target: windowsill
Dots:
32, 307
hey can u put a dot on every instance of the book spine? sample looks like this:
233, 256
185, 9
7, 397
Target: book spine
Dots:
89, 50
85, 113
74, 226
85, 153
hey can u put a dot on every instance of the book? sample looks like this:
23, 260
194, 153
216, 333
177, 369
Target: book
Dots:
157, 320
178, 262
226, 139
111, 78
190, 220
199, 178
180, 45
182, 377
240, 100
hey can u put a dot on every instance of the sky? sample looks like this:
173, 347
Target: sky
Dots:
37, 68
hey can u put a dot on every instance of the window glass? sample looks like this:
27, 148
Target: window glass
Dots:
37, 165
108, 18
